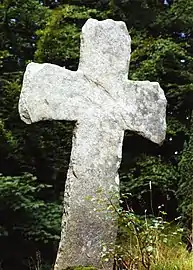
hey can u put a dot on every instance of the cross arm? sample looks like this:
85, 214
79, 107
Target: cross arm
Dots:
51, 92
147, 113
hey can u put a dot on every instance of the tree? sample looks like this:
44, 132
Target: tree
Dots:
62, 29
27, 221
19, 22
184, 191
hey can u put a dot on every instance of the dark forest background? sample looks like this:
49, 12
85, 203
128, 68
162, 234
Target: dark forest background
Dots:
34, 159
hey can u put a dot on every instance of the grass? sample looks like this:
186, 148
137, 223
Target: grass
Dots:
152, 246
173, 257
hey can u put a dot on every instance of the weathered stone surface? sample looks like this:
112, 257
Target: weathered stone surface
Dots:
104, 104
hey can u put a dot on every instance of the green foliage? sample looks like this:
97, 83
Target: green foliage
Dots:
30, 215
184, 193
3, 54
152, 169
59, 42
19, 21
26, 215
150, 182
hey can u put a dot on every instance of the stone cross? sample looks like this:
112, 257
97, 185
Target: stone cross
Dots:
104, 103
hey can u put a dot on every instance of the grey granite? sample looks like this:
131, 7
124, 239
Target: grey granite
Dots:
104, 103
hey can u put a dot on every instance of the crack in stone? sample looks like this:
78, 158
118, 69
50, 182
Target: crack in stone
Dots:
99, 85
75, 175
